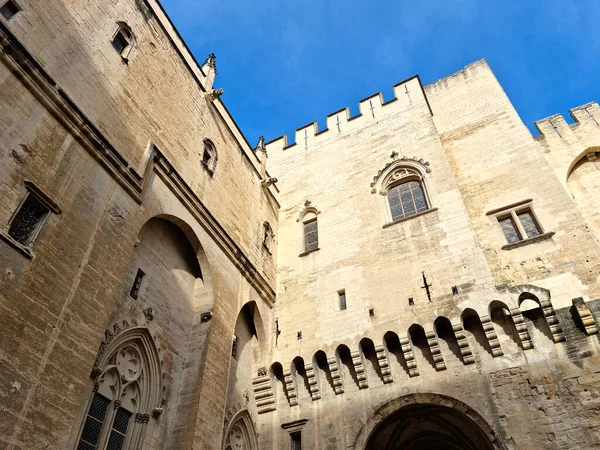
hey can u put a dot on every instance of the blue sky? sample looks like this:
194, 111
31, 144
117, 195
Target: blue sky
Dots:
284, 64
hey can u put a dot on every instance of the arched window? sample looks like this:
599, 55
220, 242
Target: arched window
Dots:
406, 194
127, 391
311, 232
209, 157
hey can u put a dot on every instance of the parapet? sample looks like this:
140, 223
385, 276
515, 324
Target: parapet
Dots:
406, 94
556, 125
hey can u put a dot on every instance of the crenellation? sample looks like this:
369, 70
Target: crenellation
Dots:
407, 94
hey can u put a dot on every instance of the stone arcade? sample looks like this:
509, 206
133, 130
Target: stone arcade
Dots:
421, 275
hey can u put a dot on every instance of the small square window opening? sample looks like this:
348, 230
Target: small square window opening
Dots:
137, 284
342, 300
123, 41
28, 220
9, 9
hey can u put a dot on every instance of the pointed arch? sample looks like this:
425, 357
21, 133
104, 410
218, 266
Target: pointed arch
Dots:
127, 391
241, 432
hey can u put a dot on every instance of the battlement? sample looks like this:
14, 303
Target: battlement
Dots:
556, 125
407, 93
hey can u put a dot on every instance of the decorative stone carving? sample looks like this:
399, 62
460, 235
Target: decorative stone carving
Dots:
409, 357
336, 378
240, 432
157, 412
263, 394
148, 313
521, 328
313, 385
359, 368
262, 371
142, 418
436, 353
383, 363
213, 94
290, 388
492, 337
395, 160
463, 344
308, 208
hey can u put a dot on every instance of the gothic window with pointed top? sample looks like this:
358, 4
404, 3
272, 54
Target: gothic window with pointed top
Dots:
126, 389
406, 194
209, 157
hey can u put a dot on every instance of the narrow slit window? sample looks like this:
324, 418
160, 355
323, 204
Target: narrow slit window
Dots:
311, 235
28, 220
296, 440
137, 284
9, 9
209, 157
93, 423
342, 300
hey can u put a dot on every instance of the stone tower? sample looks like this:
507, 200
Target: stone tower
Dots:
421, 275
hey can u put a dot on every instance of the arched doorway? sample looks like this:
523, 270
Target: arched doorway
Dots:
426, 421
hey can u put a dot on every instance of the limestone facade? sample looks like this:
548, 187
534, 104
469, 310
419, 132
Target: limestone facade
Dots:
163, 287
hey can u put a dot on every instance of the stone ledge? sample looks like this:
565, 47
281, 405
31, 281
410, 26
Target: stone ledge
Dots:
308, 252
533, 240
17, 245
409, 217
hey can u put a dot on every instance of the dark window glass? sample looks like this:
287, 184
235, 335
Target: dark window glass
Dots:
342, 299
119, 430
296, 440
93, 423
407, 199
509, 229
311, 235
27, 220
529, 224
137, 284
9, 9
120, 42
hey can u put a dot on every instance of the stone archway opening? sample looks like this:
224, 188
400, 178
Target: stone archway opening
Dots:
426, 421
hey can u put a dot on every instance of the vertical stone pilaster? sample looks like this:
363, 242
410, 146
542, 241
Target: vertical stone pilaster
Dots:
553, 323
521, 327
359, 368
313, 385
409, 357
436, 352
463, 344
263, 394
290, 388
384, 365
336, 378
585, 315
491, 336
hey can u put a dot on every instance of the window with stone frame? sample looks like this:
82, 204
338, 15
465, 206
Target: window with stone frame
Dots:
519, 223
209, 157
127, 391
296, 440
9, 8
29, 218
406, 198
311, 232
123, 40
